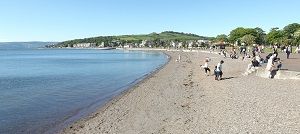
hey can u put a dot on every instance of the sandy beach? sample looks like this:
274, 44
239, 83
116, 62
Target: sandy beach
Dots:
179, 99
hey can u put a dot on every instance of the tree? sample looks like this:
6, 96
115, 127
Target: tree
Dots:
248, 39
289, 32
221, 38
238, 33
290, 29
260, 36
274, 36
297, 33
296, 40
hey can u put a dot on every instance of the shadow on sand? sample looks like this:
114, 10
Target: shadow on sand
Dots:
228, 78
292, 58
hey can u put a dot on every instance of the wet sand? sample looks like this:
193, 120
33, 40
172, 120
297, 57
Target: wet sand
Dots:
179, 98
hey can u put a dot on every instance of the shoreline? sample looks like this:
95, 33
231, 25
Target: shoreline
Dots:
179, 98
90, 111
116, 98
78, 123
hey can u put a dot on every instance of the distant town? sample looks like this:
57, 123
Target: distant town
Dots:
289, 35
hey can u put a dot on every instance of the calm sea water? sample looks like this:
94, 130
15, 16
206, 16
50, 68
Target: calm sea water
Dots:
41, 89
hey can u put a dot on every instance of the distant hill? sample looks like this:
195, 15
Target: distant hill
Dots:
24, 45
157, 38
167, 35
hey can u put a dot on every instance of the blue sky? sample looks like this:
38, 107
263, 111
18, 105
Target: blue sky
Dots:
59, 20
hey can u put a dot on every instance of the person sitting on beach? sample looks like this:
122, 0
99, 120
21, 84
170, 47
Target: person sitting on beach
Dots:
249, 69
206, 68
252, 66
259, 59
279, 66
218, 71
255, 62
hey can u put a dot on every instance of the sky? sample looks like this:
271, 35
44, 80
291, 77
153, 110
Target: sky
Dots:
60, 20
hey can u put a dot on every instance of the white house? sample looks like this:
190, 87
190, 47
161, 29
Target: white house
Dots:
143, 44
203, 41
190, 44
180, 45
84, 45
102, 44
173, 44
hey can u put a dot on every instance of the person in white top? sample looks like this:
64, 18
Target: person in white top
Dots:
288, 51
270, 65
297, 49
206, 67
179, 58
218, 71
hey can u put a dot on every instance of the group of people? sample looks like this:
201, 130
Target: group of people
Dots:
286, 49
217, 71
244, 52
273, 62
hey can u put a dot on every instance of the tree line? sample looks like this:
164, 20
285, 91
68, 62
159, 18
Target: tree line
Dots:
156, 39
289, 35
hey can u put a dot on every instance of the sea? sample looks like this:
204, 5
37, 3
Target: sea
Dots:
44, 90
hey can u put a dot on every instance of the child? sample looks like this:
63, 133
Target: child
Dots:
224, 53
218, 71
206, 68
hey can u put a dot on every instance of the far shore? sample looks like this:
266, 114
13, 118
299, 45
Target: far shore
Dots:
179, 98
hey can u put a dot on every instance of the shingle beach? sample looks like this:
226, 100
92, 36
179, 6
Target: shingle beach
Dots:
180, 99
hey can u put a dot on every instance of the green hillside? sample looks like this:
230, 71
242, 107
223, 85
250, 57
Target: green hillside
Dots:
168, 35
159, 39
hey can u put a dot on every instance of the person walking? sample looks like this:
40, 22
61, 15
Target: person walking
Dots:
218, 71
288, 51
254, 50
297, 49
243, 53
275, 51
